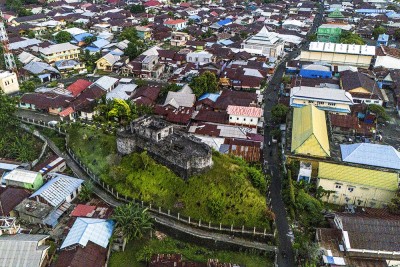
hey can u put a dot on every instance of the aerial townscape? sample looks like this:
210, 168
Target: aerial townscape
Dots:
199, 133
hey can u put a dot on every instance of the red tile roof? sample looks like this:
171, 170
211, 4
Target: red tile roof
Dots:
77, 87
152, 3
83, 211
174, 21
66, 112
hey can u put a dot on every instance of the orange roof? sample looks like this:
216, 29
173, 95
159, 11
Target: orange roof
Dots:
174, 21
244, 111
66, 112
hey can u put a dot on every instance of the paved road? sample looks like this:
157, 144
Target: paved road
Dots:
273, 159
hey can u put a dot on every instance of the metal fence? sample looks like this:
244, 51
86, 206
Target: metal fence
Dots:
167, 213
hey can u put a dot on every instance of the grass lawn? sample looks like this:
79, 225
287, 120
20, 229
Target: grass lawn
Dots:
223, 194
142, 249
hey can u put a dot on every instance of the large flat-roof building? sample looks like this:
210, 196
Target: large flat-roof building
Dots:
339, 54
332, 100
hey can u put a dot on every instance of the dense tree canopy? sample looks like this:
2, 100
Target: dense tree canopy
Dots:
205, 83
63, 37
378, 30
279, 112
133, 220
135, 9
348, 37
379, 111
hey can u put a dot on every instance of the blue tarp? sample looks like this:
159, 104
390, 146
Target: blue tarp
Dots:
224, 22
315, 73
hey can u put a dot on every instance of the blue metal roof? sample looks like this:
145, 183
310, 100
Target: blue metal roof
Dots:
224, 22
371, 154
98, 231
212, 97
92, 49
80, 37
383, 37
100, 43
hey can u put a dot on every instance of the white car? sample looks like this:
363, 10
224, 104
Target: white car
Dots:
52, 123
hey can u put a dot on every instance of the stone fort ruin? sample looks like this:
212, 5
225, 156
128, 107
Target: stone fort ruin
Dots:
184, 154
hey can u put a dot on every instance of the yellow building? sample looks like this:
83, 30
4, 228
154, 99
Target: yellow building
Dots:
357, 186
309, 132
58, 52
107, 62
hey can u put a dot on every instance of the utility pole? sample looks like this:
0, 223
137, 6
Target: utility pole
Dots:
8, 56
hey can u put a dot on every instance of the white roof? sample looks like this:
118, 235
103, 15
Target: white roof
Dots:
26, 57
368, 50
324, 94
111, 58
57, 48
106, 82
24, 43
22, 250
122, 91
22, 176
264, 37
180, 99
75, 31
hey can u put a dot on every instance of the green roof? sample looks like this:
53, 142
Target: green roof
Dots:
361, 176
335, 14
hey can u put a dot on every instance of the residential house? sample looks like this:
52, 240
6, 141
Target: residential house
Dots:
77, 87
106, 63
248, 116
179, 99
202, 57
335, 101
144, 66
362, 88
107, 83
357, 186
236, 98
383, 39
179, 38
376, 155
387, 57
42, 70
175, 24
52, 103
146, 95
8, 82
123, 91
58, 52
10, 197
248, 150
84, 230
24, 178
339, 54
309, 132
367, 238
47, 204
24, 250
143, 33
264, 43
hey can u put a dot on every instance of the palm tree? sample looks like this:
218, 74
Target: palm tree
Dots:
86, 191
133, 220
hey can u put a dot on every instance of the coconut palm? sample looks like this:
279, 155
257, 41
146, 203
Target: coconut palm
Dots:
133, 220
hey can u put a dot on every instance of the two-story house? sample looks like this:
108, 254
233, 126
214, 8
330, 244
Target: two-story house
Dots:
179, 38
8, 82
202, 57
248, 116
58, 52
176, 24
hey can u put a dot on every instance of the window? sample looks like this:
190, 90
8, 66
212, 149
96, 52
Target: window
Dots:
244, 119
338, 186
376, 101
310, 101
332, 104
230, 117
251, 120
237, 119
350, 189
320, 103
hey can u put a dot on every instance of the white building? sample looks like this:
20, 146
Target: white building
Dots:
202, 57
248, 116
333, 100
175, 24
264, 43
339, 54
8, 82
